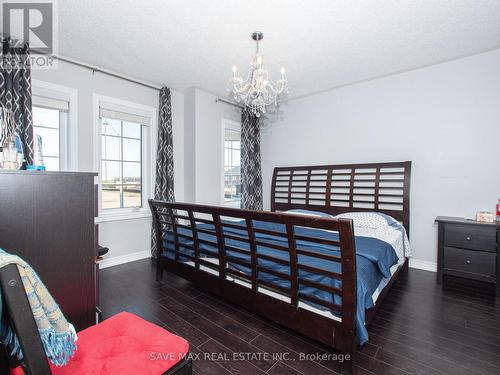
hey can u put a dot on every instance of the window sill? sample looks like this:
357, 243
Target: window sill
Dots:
140, 214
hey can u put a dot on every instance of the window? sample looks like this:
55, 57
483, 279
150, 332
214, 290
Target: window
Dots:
232, 164
50, 120
121, 163
124, 156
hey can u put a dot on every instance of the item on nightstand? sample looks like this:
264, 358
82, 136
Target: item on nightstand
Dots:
7, 140
10, 155
7, 126
35, 168
20, 150
38, 150
485, 217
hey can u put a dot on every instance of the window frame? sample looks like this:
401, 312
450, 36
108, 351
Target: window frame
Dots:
121, 159
68, 136
62, 131
148, 155
225, 124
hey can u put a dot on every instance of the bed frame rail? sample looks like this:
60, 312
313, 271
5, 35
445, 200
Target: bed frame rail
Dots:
334, 189
189, 226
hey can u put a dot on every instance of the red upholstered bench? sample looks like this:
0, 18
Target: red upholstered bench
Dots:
126, 344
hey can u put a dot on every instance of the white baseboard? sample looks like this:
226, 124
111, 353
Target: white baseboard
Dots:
423, 265
115, 261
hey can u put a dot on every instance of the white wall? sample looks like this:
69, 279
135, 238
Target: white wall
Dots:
444, 118
204, 145
123, 237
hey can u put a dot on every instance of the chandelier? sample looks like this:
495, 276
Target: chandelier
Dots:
258, 91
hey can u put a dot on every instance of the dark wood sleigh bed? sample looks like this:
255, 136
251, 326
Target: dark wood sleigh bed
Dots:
333, 189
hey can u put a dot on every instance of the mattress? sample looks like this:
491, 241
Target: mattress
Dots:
377, 253
393, 238
264, 290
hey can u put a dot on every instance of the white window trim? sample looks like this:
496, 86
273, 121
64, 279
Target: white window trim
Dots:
148, 156
69, 136
225, 123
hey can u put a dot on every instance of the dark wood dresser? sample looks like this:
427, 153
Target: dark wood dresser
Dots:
468, 249
47, 218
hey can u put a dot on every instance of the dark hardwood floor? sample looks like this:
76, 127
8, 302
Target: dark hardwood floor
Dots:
420, 328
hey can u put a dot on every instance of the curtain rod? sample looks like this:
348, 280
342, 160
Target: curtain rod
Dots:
228, 102
95, 68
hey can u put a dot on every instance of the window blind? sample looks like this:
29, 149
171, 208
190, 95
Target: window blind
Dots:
48, 98
52, 103
122, 113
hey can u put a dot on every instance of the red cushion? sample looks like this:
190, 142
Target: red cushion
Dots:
123, 344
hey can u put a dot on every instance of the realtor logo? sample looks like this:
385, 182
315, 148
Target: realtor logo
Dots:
32, 22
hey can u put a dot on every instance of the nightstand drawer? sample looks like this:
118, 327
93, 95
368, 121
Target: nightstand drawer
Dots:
471, 237
470, 261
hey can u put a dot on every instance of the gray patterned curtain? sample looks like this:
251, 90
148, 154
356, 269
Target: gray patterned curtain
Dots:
251, 174
164, 185
15, 90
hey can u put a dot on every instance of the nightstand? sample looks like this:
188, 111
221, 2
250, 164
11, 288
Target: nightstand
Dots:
468, 249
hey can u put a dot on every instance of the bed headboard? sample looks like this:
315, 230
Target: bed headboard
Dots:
335, 189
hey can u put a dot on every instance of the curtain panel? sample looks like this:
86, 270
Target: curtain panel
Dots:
251, 173
15, 90
164, 184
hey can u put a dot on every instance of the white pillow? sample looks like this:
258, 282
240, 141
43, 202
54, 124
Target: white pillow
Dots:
365, 219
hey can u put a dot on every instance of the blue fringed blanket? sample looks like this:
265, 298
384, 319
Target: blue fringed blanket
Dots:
57, 335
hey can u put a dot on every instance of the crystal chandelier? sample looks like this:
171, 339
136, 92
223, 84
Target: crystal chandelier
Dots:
257, 91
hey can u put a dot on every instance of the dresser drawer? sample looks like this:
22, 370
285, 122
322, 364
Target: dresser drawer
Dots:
471, 237
470, 261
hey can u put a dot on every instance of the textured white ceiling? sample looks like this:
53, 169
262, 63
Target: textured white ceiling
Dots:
322, 43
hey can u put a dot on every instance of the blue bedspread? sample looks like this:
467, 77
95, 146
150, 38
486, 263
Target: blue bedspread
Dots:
374, 258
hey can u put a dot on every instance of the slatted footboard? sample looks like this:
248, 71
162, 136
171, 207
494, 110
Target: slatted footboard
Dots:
222, 250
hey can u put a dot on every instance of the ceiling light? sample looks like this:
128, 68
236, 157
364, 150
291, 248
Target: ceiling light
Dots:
258, 91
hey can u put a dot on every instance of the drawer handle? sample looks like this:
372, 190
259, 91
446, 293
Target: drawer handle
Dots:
468, 238
467, 261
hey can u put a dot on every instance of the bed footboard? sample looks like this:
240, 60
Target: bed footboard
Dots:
220, 249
